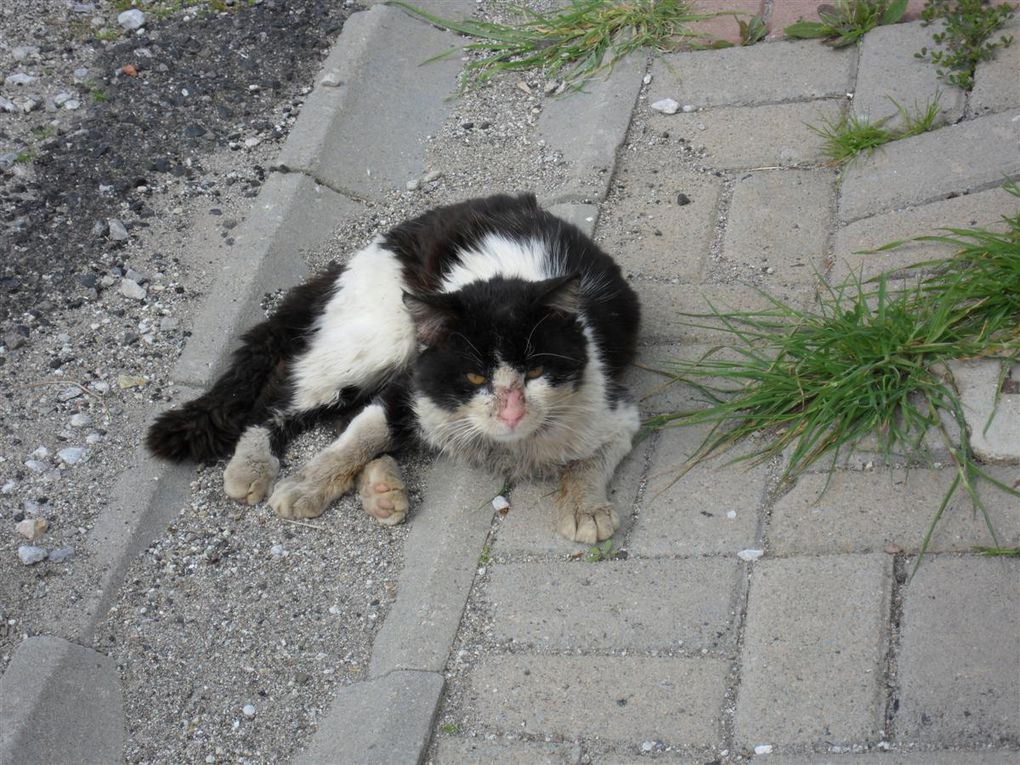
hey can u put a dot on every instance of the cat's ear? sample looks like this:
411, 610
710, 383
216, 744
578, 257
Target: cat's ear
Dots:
432, 315
562, 293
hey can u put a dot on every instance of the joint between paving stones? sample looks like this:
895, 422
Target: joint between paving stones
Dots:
321, 181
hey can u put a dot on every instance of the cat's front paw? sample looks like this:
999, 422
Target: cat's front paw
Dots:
588, 525
382, 491
297, 498
249, 480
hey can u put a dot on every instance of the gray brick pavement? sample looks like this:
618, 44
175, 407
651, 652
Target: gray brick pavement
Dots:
869, 511
619, 699
759, 74
643, 605
814, 651
755, 136
778, 224
997, 82
959, 655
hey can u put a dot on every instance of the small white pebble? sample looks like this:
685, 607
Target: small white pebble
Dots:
763, 749
750, 554
666, 106
731, 514
278, 551
499, 502
249, 711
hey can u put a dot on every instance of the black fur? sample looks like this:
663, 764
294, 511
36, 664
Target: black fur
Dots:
207, 428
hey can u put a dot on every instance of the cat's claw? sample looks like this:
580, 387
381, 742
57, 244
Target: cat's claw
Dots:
382, 491
249, 480
588, 525
296, 498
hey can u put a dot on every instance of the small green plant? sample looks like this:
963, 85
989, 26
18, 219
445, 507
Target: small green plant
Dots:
848, 21
967, 37
850, 136
107, 34
24, 157
98, 95
486, 556
573, 43
752, 30
450, 729
868, 361
605, 551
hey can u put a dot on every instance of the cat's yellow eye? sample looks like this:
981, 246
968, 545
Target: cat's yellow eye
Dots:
533, 373
475, 379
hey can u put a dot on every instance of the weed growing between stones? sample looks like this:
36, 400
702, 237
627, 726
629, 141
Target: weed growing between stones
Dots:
967, 38
870, 361
850, 136
848, 21
576, 42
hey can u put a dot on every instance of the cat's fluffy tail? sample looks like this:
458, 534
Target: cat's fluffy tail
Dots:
207, 428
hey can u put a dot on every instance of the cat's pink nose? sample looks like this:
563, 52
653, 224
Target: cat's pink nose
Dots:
511, 405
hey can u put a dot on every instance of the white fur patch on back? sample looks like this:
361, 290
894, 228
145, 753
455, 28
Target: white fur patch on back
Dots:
498, 255
364, 334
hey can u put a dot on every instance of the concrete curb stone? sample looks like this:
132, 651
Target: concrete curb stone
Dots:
60, 703
997, 82
993, 421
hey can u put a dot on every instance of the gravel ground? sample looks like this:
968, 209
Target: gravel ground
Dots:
233, 629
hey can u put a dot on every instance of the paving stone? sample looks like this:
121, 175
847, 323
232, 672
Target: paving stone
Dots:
780, 220
889, 74
984, 208
756, 74
957, 159
814, 651
642, 605
440, 560
645, 229
754, 136
470, 751
994, 425
377, 722
867, 511
786, 12
625, 699
389, 46
530, 525
60, 703
604, 109
657, 392
581, 215
954, 757
691, 516
662, 304
997, 82
959, 657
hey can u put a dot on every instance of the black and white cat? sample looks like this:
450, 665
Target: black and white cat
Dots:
490, 330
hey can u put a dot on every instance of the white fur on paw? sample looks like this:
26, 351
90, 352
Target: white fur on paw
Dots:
589, 525
382, 491
295, 498
249, 479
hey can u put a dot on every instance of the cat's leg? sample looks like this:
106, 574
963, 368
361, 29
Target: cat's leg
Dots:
382, 491
584, 512
252, 470
332, 472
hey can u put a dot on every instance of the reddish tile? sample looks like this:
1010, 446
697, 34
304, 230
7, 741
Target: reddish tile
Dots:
725, 27
786, 12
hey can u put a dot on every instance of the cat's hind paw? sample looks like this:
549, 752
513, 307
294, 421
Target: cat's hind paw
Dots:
297, 498
588, 525
252, 470
382, 491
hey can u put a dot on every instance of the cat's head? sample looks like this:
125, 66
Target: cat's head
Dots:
501, 358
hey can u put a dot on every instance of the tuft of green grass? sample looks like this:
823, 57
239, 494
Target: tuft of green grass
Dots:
848, 21
967, 37
850, 136
573, 43
450, 729
869, 360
